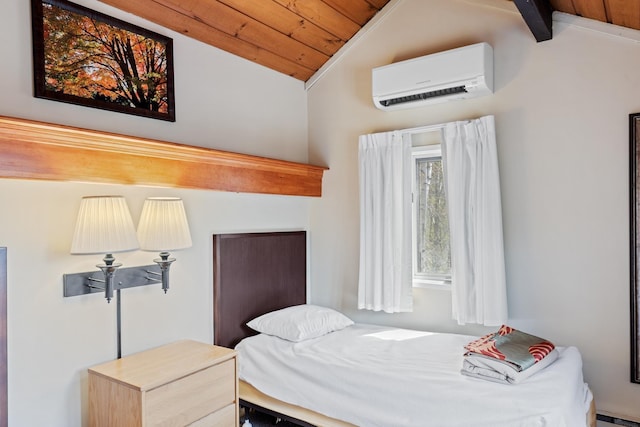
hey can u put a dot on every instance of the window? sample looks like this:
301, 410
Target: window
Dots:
431, 247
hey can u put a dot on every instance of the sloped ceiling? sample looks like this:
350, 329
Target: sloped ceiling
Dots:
625, 13
296, 37
537, 13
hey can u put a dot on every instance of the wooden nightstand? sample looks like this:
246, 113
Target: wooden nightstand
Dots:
186, 383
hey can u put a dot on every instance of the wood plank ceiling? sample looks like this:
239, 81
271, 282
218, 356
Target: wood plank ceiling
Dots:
297, 37
625, 13
538, 13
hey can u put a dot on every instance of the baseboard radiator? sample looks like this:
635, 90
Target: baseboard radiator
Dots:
617, 421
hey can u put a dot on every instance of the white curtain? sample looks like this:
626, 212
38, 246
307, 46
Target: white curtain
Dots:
385, 281
475, 220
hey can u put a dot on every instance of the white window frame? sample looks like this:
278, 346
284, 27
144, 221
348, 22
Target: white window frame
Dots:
420, 280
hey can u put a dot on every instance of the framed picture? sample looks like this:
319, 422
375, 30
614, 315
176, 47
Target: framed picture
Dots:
85, 57
634, 216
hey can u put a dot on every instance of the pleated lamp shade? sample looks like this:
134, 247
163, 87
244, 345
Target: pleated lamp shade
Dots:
104, 226
163, 225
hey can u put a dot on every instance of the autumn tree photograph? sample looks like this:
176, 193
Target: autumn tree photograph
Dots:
89, 56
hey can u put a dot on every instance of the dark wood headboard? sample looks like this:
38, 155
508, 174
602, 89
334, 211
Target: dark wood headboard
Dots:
253, 274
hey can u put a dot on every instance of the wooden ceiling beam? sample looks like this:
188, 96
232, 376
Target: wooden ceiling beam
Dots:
537, 15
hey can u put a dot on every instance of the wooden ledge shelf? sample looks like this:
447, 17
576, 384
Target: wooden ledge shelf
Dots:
37, 150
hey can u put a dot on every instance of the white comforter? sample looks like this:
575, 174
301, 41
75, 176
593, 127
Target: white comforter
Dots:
375, 376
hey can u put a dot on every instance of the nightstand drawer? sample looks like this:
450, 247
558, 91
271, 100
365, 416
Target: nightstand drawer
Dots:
225, 417
193, 397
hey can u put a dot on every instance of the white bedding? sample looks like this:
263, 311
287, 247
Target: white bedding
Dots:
377, 376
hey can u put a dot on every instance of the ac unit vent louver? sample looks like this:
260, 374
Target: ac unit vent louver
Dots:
424, 95
462, 73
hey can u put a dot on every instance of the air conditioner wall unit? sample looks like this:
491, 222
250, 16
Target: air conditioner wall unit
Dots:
465, 72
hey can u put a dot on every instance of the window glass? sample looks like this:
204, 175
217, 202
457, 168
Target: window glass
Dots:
431, 247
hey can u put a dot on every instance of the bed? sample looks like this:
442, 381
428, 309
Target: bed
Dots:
275, 380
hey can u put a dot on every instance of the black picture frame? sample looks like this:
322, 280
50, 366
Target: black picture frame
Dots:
634, 216
87, 58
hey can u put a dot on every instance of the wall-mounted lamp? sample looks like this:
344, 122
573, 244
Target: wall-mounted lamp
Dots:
104, 226
163, 227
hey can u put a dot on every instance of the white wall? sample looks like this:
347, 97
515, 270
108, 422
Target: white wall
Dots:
561, 110
222, 102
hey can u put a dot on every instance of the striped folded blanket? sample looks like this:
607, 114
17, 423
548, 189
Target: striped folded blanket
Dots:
507, 356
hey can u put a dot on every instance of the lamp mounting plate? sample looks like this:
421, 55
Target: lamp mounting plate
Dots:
129, 277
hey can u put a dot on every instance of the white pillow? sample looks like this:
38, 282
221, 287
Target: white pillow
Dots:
300, 322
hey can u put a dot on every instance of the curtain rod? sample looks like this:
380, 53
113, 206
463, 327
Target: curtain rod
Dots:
428, 128
420, 129
423, 129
